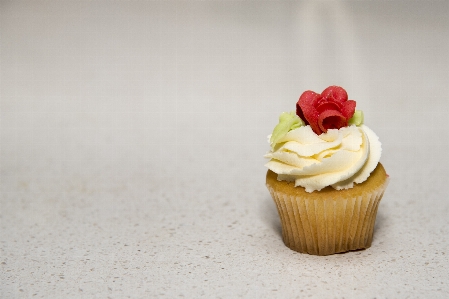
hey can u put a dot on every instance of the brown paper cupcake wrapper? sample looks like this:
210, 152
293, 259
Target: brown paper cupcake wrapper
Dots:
328, 226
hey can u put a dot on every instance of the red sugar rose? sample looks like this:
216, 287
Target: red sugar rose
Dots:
329, 110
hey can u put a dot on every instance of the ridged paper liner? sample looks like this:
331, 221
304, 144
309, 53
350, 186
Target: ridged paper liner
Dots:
328, 225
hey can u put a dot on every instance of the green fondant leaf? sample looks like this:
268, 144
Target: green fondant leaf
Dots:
356, 119
287, 121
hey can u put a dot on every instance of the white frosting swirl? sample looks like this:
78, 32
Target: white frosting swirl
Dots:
338, 158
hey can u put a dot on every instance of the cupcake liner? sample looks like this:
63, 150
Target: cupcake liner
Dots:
328, 225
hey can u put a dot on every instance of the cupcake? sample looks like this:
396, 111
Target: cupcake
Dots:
324, 174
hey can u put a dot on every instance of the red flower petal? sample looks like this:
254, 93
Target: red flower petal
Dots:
323, 106
335, 93
300, 114
306, 111
348, 109
331, 119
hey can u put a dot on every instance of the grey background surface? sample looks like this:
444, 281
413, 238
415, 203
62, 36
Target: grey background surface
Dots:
132, 136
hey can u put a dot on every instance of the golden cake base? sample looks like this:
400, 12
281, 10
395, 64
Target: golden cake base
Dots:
328, 221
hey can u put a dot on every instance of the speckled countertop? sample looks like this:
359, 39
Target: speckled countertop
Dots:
132, 136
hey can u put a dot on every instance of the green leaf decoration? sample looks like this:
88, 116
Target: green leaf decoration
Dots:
356, 119
287, 121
